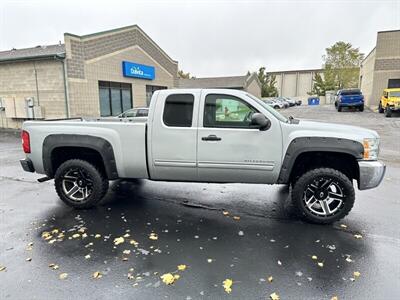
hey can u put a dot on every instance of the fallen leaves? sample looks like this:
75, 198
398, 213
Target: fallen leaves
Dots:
320, 264
153, 236
63, 276
182, 267
279, 263
169, 278
2, 268
343, 226
236, 218
334, 298
225, 213
314, 257
227, 284
133, 242
270, 279
126, 252
87, 256
274, 296
29, 259
76, 235
54, 266
119, 240
356, 274
97, 275
358, 236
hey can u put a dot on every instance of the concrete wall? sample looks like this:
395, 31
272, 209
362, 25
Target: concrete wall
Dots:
18, 82
254, 89
381, 65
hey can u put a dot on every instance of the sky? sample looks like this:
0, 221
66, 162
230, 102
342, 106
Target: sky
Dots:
210, 38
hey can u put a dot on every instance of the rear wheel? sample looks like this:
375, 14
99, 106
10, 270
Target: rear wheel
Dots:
361, 108
80, 184
380, 108
339, 108
388, 112
323, 196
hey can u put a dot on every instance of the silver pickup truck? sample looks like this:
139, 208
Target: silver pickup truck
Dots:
208, 135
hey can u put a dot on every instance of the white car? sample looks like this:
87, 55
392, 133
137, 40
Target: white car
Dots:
208, 135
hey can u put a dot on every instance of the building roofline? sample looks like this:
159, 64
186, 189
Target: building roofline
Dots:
100, 33
393, 30
296, 71
60, 55
370, 52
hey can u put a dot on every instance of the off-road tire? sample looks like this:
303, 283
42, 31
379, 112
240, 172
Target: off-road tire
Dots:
388, 112
300, 186
380, 108
99, 183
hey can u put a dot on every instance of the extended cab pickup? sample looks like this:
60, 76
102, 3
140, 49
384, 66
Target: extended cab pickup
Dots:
208, 135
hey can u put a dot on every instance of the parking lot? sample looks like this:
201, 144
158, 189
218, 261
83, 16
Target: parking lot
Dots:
246, 233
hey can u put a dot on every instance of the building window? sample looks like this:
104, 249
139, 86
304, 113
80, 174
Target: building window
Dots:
178, 110
150, 89
115, 98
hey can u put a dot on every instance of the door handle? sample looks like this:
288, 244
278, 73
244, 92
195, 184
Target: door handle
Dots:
211, 137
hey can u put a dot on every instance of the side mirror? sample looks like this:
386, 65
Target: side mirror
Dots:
260, 121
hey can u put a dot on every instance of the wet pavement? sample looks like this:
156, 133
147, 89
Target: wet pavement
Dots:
257, 238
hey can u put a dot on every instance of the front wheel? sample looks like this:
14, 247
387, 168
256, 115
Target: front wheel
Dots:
388, 112
339, 108
80, 184
380, 108
323, 195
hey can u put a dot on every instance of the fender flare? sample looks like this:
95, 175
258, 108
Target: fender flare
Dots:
102, 146
316, 144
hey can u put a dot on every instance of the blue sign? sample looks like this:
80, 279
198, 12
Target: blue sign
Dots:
131, 69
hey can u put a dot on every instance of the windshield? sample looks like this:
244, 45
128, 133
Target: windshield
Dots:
269, 108
394, 94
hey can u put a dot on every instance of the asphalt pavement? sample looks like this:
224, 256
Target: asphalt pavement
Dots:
213, 232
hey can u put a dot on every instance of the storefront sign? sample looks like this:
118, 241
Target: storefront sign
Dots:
131, 69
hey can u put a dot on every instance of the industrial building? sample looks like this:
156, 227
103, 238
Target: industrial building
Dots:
381, 67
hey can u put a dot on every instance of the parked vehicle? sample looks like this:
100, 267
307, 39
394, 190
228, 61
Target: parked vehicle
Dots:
134, 112
208, 135
298, 102
390, 101
274, 104
291, 102
349, 98
313, 100
282, 101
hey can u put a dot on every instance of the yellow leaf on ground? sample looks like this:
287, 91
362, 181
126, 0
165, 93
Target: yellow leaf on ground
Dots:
168, 278
2, 268
358, 236
153, 236
209, 260
133, 242
227, 284
343, 225
237, 218
270, 279
225, 213
314, 257
53, 266
126, 235
126, 252
334, 298
76, 235
274, 296
97, 236
97, 275
87, 256
320, 264
356, 274
119, 240
63, 276
176, 276
182, 267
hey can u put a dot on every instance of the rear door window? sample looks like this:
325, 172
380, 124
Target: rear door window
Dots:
178, 110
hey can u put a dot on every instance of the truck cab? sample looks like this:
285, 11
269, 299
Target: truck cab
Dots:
390, 101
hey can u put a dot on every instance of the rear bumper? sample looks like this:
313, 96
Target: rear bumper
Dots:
352, 104
371, 174
27, 165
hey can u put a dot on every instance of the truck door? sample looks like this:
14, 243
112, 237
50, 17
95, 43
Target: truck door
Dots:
173, 136
229, 150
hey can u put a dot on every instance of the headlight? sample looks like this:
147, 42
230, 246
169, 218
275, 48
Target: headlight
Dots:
371, 148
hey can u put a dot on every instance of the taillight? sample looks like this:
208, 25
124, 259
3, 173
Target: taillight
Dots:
26, 143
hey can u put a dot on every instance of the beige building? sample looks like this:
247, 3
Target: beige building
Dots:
249, 83
295, 84
100, 74
381, 67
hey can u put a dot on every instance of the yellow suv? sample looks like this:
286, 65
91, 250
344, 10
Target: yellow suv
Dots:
390, 101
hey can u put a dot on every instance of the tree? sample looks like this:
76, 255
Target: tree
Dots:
184, 75
268, 82
341, 68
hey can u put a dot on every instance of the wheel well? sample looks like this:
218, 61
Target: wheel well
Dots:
62, 154
343, 162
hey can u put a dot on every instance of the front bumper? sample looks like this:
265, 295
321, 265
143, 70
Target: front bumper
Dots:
371, 174
27, 165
